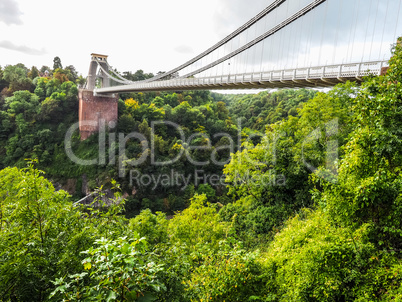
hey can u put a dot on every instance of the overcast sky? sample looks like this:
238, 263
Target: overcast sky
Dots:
153, 35
159, 35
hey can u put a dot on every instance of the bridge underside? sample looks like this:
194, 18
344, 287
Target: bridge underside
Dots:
314, 77
192, 84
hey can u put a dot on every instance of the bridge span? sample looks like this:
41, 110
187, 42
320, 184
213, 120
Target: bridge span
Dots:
290, 44
311, 77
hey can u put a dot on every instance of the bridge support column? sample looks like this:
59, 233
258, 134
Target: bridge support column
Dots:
98, 60
95, 109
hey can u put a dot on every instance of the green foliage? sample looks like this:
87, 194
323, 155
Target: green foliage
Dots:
257, 111
270, 175
139, 75
153, 227
195, 113
324, 119
315, 185
23, 102
313, 260
115, 270
207, 190
369, 182
35, 230
32, 125
57, 63
41, 232
198, 224
232, 274
349, 248
17, 78
254, 224
33, 73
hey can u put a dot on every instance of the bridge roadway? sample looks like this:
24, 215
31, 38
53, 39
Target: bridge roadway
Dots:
311, 77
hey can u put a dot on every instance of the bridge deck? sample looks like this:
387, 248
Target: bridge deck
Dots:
312, 77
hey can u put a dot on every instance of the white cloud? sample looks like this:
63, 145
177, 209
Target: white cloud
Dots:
150, 35
21, 48
10, 12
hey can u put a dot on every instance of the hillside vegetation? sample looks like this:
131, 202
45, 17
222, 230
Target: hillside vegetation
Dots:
310, 210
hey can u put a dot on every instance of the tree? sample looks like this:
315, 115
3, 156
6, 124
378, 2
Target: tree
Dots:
42, 234
198, 224
3, 83
139, 75
45, 71
71, 73
61, 74
23, 102
33, 216
17, 77
313, 260
231, 274
81, 81
57, 63
207, 190
33, 73
369, 183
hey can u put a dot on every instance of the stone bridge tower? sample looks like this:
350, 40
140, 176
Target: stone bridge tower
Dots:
96, 110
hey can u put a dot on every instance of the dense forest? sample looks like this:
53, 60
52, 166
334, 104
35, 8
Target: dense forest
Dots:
38, 107
308, 210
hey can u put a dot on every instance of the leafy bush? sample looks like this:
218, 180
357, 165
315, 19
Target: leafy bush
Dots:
119, 269
198, 224
151, 226
254, 225
42, 233
39, 234
370, 184
311, 260
232, 274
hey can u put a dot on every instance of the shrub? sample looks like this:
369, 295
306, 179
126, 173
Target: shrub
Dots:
229, 275
151, 226
311, 260
121, 269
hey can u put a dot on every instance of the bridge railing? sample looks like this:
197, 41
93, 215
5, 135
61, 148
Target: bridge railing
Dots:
320, 76
330, 71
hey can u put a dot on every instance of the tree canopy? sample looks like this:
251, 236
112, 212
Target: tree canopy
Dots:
293, 195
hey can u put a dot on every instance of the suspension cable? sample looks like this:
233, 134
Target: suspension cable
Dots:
241, 29
109, 76
322, 34
117, 75
365, 36
383, 30
270, 32
309, 39
354, 24
397, 19
375, 25
337, 32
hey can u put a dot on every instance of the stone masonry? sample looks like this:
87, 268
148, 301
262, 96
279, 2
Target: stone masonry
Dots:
94, 109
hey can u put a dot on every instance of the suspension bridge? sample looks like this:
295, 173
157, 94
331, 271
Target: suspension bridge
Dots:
289, 44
